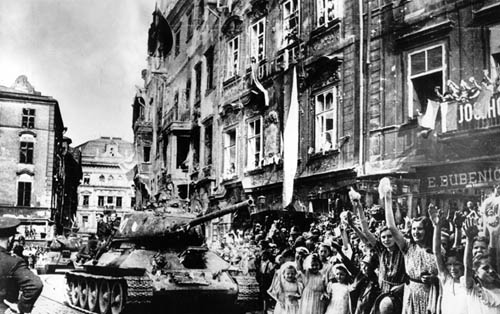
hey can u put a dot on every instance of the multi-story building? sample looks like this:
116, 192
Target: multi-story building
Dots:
33, 159
107, 183
220, 98
416, 48
366, 74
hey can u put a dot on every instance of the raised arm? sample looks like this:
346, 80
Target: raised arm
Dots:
436, 217
385, 193
471, 231
458, 222
367, 236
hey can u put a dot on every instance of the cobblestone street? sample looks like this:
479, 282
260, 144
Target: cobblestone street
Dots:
52, 299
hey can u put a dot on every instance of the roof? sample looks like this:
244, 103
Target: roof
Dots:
105, 149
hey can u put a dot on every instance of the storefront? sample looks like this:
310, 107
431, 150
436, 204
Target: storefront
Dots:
452, 185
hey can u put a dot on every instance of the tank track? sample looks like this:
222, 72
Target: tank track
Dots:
137, 290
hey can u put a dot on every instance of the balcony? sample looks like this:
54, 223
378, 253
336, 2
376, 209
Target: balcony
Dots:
177, 121
144, 168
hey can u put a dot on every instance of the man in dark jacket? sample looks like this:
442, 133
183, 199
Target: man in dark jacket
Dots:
19, 287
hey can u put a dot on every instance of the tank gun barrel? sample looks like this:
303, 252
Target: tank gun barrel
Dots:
227, 210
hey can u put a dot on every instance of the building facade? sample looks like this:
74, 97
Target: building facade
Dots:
405, 89
107, 182
33, 155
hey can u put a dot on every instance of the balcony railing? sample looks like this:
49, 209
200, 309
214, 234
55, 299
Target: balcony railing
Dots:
144, 168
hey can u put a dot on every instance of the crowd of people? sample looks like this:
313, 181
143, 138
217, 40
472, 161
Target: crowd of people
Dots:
442, 262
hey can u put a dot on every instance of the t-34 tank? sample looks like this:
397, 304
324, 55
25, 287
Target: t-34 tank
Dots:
156, 261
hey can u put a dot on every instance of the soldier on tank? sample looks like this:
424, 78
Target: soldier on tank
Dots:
19, 287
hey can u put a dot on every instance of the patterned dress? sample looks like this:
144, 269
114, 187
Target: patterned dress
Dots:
314, 288
416, 294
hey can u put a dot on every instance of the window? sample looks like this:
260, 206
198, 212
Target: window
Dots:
182, 156
100, 201
328, 11
110, 200
209, 56
494, 31
176, 99
86, 179
230, 152
26, 153
118, 201
147, 153
233, 57
290, 21
254, 143
197, 75
426, 72
28, 120
326, 123
24, 194
190, 25
258, 40
102, 178
177, 42
132, 202
188, 92
85, 202
201, 11
208, 143
85, 220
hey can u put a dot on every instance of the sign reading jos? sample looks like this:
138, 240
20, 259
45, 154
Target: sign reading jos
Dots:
460, 178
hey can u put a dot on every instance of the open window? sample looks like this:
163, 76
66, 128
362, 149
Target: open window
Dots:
230, 152
426, 72
326, 121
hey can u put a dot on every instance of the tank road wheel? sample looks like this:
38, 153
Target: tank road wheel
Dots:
104, 297
93, 294
117, 298
84, 293
74, 293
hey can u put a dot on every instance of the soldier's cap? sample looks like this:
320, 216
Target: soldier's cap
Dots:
8, 226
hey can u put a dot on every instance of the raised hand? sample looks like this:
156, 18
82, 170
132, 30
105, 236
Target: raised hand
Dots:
385, 188
435, 215
470, 228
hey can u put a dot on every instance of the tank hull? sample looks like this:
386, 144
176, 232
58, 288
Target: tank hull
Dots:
156, 262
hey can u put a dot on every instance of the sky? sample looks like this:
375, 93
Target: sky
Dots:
87, 54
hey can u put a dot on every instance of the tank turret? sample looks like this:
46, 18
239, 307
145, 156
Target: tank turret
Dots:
157, 257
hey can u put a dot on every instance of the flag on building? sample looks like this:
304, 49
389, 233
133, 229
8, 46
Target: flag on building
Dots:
127, 165
258, 84
290, 144
449, 116
482, 104
428, 120
160, 37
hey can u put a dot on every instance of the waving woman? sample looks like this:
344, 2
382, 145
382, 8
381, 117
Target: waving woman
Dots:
391, 269
420, 293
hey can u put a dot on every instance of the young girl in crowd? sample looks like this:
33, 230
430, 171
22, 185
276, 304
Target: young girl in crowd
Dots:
337, 291
450, 269
421, 293
481, 280
311, 301
287, 291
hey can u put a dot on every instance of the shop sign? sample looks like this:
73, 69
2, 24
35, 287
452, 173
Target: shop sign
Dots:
460, 177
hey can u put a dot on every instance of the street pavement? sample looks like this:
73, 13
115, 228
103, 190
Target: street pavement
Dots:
53, 296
